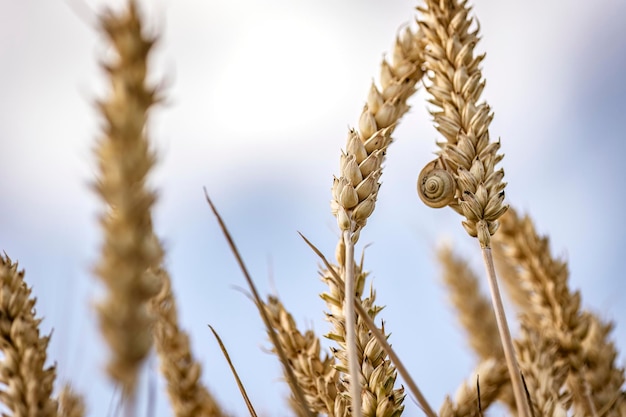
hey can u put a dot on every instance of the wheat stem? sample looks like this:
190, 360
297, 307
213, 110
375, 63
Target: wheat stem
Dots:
505, 335
353, 359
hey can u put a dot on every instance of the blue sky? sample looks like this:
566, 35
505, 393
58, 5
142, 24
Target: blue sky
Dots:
260, 98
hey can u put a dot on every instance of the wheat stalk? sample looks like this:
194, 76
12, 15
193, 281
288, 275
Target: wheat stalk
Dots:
125, 159
27, 382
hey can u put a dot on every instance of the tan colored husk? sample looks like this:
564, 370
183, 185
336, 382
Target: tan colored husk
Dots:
315, 374
455, 84
71, 404
474, 311
129, 248
188, 396
27, 383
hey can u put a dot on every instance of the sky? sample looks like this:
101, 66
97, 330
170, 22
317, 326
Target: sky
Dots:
260, 96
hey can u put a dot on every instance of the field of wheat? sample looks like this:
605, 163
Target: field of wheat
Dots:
256, 102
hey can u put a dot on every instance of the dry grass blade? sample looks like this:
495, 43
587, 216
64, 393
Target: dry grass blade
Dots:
380, 337
242, 389
188, 396
27, 383
291, 378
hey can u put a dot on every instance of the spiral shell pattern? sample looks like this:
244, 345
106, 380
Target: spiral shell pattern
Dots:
436, 185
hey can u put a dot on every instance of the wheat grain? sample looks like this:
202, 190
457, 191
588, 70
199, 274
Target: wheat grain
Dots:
27, 382
125, 160
188, 396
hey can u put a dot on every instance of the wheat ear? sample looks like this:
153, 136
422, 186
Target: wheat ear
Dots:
466, 171
188, 396
554, 310
71, 404
27, 383
315, 374
125, 160
355, 191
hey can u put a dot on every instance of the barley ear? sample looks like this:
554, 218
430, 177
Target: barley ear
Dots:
182, 372
124, 161
71, 404
316, 375
27, 383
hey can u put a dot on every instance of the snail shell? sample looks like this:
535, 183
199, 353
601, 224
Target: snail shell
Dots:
436, 185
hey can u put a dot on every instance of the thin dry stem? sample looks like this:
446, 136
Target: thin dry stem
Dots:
125, 160
27, 383
505, 336
242, 389
182, 372
350, 320
291, 378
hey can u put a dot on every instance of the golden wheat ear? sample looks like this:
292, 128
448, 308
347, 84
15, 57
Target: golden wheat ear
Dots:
129, 247
188, 396
316, 375
27, 383
354, 195
554, 313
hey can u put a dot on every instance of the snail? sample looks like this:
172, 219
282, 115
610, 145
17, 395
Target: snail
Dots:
436, 185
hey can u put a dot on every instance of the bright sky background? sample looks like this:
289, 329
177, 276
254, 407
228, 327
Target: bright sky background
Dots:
261, 94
